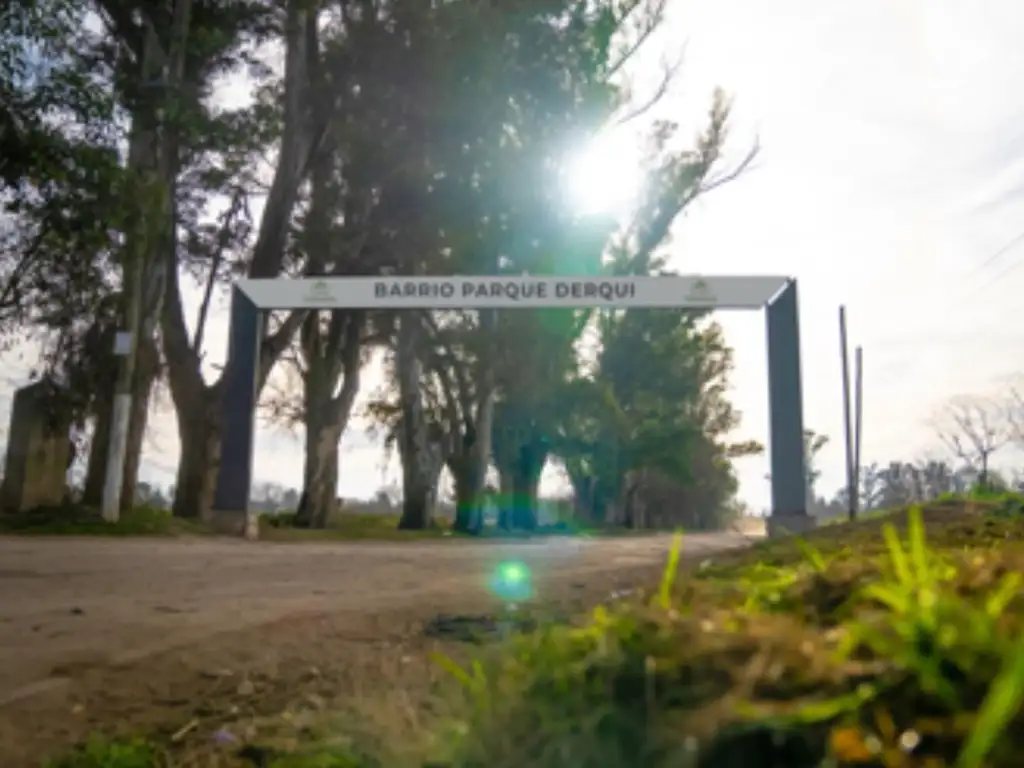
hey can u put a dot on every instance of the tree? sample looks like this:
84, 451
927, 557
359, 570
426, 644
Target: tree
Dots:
477, 193
417, 139
901, 483
198, 403
674, 179
64, 192
542, 80
652, 410
974, 429
813, 445
1014, 413
153, 66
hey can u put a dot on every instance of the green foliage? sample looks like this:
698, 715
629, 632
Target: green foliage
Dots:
654, 401
891, 652
344, 526
998, 502
75, 520
322, 760
58, 167
101, 753
139, 753
813, 445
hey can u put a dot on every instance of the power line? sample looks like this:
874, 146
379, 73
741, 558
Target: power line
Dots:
1013, 266
995, 256
968, 292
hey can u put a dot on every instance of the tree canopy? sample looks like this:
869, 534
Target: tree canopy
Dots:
388, 137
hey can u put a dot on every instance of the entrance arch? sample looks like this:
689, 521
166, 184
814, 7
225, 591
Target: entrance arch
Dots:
776, 295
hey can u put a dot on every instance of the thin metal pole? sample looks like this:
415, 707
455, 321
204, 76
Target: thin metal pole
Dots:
847, 429
858, 399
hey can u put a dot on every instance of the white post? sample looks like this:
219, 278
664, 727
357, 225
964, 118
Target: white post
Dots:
119, 422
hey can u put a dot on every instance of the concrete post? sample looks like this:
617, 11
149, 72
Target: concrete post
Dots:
786, 427
234, 478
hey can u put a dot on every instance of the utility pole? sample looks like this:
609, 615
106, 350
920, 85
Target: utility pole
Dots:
142, 233
851, 488
852, 422
126, 345
858, 413
151, 205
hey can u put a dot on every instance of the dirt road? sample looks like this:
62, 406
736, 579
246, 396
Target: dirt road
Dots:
68, 606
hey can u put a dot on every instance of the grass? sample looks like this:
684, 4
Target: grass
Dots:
76, 520
874, 649
345, 525
895, 642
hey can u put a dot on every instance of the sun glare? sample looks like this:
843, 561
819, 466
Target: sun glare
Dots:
603, 178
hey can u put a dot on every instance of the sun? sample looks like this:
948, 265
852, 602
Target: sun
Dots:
604, 178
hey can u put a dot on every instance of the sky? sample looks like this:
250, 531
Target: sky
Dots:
890, 179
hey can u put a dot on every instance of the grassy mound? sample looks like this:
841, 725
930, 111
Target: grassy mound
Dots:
867, 649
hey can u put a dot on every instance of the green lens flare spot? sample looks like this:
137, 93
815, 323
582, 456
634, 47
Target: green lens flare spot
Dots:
512, 581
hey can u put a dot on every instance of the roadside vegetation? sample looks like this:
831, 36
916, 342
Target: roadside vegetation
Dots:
79, 520
363, 523
889, 642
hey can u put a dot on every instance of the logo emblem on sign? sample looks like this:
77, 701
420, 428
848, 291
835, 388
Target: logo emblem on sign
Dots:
700, 292
318, 292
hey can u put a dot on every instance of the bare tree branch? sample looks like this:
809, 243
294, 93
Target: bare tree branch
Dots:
669, 70
717, 180
974, 429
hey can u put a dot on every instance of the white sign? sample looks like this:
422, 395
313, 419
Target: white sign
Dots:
463, 292
123, 343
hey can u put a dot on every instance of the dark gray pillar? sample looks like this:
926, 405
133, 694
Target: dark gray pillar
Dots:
786, 415
234, 477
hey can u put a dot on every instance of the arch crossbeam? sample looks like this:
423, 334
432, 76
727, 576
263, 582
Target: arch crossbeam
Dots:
776, 295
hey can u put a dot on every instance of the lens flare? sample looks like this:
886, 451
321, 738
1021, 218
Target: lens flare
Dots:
512, 581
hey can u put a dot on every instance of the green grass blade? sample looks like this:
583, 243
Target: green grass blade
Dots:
997, 712
897, 556
453, 669
996, 603
812, 555
668, 576
916, 545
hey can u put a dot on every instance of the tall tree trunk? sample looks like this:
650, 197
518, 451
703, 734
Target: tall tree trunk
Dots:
146, 372
199, 433
96, 468
520, 485
592, 502
471, 465
419, 482
506, 495
526, 487
329, 354
633, 506
197, 404
418, 511
469, 488
320, 477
